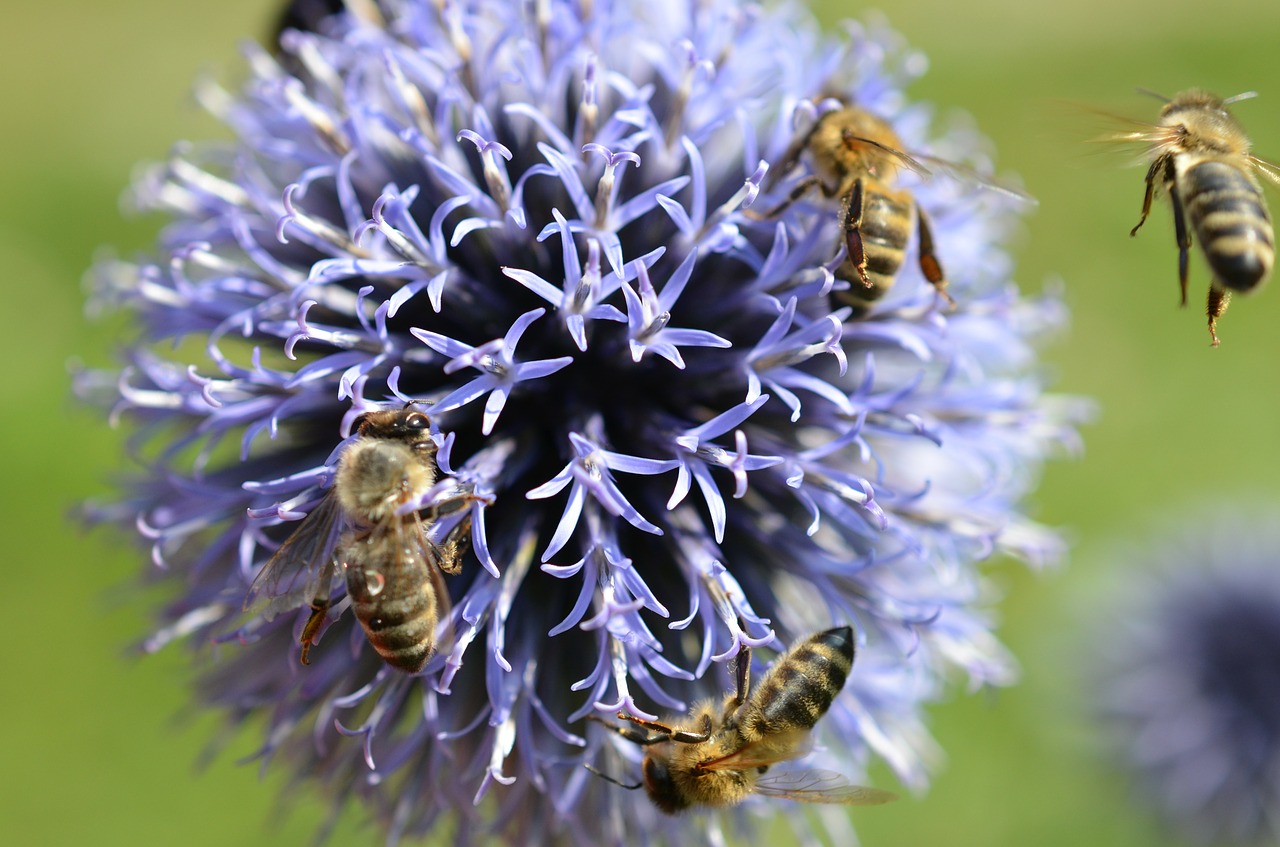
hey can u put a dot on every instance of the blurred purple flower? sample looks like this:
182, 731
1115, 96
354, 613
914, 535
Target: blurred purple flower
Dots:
417, 188
1191, 679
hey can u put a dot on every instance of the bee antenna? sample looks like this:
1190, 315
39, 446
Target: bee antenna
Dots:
607, 778
408, 403
1155, 94
1244, 95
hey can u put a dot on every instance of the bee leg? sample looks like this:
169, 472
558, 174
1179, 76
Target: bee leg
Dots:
853, 232
929, 264
1184, 244
668, 733
802, 188
686, 737
1218, 300
742, 668
790, 156
1146, 200
311, 629
453, 504
319, 609
455, 546
630, 733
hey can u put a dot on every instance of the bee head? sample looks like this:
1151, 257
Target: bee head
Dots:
407, 424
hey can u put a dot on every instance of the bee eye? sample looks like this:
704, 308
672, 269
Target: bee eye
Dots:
417, 421
359, 422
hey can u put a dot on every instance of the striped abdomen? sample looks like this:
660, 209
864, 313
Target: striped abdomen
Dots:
1227, 213
393, 597
802, 684
887, 220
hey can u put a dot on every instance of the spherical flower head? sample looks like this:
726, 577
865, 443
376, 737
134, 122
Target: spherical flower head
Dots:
535, 220
1191, 683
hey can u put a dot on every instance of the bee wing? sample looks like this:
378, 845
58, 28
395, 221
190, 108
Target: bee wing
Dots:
1152, 135
413, 549
814, 786
444, 625
1266, 167
969, 176
1154, 138
926, 166
773, 748
906, 160
413, 537
303, 566
436, 567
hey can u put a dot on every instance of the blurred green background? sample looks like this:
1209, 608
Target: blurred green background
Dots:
96, 749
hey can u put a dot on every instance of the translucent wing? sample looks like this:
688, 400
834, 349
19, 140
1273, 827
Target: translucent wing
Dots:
1266, 167
815, 786
774, 748
442, 558
969, 176
444, 628
1154, 138
907, 161
302, 568
928, 166
414, 556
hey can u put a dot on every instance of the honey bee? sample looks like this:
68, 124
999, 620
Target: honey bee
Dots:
1200, 157
393, 571
720, 754
855, 157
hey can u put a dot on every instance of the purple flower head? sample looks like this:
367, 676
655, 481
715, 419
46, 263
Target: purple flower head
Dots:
685, 446
1190, 685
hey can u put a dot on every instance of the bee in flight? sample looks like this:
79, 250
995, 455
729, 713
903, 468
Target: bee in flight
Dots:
855, 157
721, 753
1200, 158
393, 571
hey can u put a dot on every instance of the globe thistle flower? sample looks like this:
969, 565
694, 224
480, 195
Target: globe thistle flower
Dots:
1190, 688
534, 219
